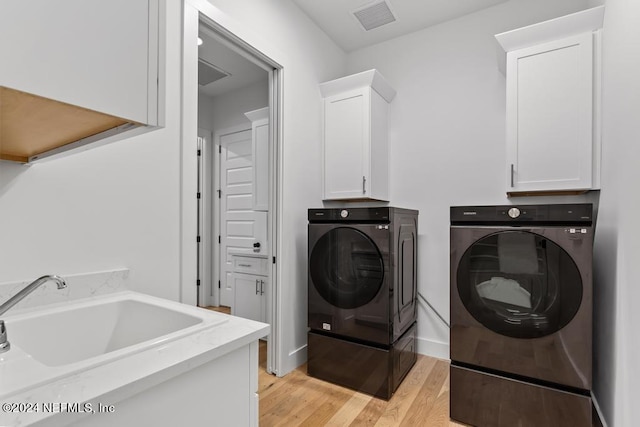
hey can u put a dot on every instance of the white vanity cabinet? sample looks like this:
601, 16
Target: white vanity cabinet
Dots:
260, 151
250, 284
76, 68
355, 139
552, 105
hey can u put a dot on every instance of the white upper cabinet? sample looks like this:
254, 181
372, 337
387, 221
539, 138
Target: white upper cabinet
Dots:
549, 116
260, 151
91, 59
356, 150
89, 53
552, 117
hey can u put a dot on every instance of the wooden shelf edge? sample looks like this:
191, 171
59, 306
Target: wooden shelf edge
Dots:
546, 193
31, 125
13, 158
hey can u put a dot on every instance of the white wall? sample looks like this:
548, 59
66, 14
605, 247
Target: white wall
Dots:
309, 57
119, 205
447, 132
227, 110
205, 112
617, 247
109, 207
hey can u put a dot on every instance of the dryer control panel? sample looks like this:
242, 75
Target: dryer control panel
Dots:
565, 214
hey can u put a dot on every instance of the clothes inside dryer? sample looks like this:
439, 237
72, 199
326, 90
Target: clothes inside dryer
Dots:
504, 290
519, 284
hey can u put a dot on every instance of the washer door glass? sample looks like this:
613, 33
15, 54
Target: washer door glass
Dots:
519, 284
346, 268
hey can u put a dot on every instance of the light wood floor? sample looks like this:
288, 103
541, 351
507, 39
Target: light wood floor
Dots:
299, 400
221, 309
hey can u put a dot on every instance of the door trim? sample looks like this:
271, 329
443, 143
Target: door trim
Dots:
206, 296
234, 34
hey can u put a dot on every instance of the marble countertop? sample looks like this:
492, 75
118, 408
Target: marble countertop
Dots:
25, 381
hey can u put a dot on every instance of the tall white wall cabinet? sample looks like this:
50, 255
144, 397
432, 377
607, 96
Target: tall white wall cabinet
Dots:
553, 99
88, 67
260, 151
356, 149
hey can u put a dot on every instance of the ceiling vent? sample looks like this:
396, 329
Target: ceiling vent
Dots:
209, 73
374, 15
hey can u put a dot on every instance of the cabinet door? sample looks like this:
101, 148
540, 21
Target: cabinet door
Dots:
347, 145
549, 116
90, 53
249, 296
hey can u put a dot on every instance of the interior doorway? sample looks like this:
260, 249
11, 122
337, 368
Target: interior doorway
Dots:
234, 92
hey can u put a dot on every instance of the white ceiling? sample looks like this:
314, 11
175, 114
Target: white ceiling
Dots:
335, 17
242, 71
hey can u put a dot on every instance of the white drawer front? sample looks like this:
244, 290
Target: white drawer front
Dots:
250, 265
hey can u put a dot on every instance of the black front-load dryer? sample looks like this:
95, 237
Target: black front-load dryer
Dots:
521, 315
362, 273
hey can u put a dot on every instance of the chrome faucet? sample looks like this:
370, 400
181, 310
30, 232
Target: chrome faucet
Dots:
4, 343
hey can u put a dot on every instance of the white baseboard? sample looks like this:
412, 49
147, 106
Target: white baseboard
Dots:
295, 358
433, 348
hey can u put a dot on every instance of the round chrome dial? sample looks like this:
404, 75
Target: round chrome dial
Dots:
514, 212
344, 213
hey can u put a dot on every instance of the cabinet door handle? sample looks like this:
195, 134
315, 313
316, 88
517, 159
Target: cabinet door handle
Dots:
364, 182
261, 287
511, 175
257, 283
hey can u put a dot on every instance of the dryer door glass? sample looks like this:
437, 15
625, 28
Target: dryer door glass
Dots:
519, 284
346, 268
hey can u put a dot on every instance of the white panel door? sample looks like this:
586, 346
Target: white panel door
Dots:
242, 230
549, 116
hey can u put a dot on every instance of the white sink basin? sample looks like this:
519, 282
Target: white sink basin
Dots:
69, 336
107, 348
